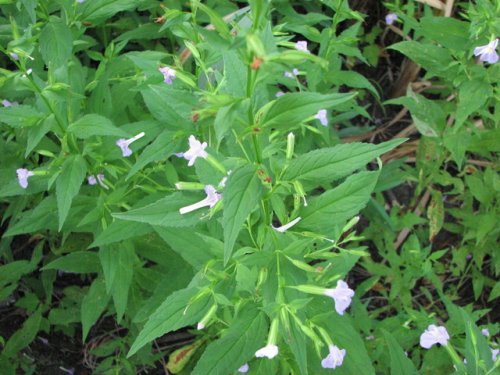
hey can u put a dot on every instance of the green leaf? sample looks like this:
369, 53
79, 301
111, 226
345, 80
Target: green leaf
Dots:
20, 116
400, 363
328, 164
56, 42
77, 262
165, 212
435, 214
471, 97
117, 264
354, 79
68, 184
290, 110
237, 346
120, 230
177, 311
235, 74
23, 337
93, 124
241, 195
339, 204
447, 31
99, 10
93, 304
162, 147
13, 271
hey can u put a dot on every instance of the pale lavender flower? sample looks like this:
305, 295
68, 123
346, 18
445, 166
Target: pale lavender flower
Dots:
321, 116
212, 198
14, 55
270, 351
390, 18
125, 143
342, 295
294, 73
196, 150
487, 52
335, 357
91, 180
22, 176
301, 45
244, 369
279, 93
434, 335
494, 354
285, 227
485, 332
168, 74
7, 103
80, 1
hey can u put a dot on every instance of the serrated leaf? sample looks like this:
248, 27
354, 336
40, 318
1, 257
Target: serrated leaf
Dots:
68, 184
339, 204
93, 304
175, 312
93, 124
329, 164
238, 345
292, 109
76, 262
241, 195
165, 212
56, 42
400, 363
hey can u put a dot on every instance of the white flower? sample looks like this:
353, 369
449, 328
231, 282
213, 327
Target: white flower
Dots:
494, 354
168, 74
390, 18
487, 52
434, 335
485, 332
244, 369
22, 176
334, 358
301, 45
285, 227
196, 150
200, 326
321, 116
212, 198
125, 143
342, 295
279, 93
294, 73
269, 351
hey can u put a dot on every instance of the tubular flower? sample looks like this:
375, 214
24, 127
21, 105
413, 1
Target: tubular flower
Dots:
487, 52
285, 227
22, 176
196, 150
434, 335
125, 143
342, 295
270, 351
334, 358
390, 18
212, 198
168, 74
321, 116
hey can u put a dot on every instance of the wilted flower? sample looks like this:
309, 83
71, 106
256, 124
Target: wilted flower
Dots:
487, 52
22, 176
212, 198
321, 116
270, 351
244, 369
334, 358
168, 74
390, 18
342, 295
434, 335
196, 150
125, 143
294, 73
285, 227
301, 45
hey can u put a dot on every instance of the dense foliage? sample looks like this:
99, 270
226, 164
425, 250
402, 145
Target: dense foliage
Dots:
271, 187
